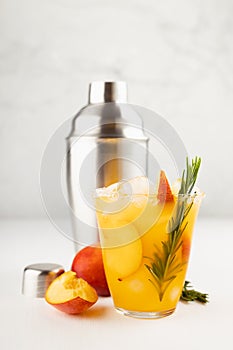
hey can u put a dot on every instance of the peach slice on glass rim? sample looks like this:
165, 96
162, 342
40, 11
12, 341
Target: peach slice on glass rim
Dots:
71, 294
164, 189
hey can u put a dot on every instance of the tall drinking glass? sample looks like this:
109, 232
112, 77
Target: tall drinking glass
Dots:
146, 245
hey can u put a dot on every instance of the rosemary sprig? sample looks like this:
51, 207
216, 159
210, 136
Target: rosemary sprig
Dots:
189, 179
192, 295
165, 265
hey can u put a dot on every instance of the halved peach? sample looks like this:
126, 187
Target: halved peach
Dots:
71, 294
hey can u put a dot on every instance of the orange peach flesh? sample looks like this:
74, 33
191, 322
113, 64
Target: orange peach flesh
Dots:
71, 294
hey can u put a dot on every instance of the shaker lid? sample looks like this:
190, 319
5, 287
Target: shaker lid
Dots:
107, 91
37, 278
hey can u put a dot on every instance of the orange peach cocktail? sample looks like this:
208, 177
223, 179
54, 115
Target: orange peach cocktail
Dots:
145, 250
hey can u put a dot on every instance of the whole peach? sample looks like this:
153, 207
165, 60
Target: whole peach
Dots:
88, 264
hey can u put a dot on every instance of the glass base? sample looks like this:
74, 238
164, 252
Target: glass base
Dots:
142, 314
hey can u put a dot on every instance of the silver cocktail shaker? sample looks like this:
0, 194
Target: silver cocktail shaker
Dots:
106, 144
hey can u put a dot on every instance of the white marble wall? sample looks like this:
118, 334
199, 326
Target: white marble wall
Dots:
177, 57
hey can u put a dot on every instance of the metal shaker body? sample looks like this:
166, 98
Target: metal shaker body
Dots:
106, 145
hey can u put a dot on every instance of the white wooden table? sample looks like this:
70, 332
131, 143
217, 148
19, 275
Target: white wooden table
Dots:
27, 323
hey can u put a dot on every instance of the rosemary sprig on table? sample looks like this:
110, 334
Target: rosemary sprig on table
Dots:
192, 295
165, 266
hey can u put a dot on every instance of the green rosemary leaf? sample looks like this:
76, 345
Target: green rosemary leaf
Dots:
156, 270
165, 286
170, 278
178, 246
189, 294
165, 248
188, 209
161, 265
176, 269
151, 270
172, 259
155, 285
